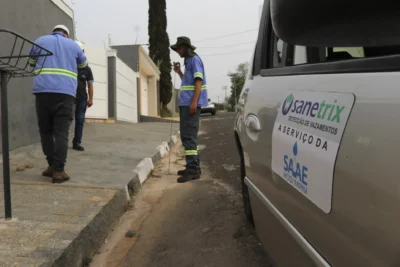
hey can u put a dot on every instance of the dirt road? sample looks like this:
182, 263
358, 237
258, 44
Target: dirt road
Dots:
199, 223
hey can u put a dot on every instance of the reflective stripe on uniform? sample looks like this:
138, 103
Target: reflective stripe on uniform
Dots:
84, 64
31, 61
54, 71
191, 88
191, 152
198, 75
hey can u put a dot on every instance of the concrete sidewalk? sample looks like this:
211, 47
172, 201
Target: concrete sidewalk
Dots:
63, 225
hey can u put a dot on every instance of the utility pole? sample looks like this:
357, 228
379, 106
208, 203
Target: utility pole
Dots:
234, 91
226, 95
226, 90
137, 30
109, 40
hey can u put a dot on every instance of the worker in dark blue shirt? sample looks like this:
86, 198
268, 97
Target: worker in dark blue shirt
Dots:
85, 77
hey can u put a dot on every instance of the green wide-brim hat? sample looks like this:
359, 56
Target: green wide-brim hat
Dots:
182, 40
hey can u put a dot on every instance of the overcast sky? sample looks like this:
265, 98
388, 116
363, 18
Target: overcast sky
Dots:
198, 20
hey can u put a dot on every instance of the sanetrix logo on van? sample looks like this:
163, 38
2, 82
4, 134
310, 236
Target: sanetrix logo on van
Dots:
321, 110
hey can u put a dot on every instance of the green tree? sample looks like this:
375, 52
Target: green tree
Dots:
238, 78
159, 47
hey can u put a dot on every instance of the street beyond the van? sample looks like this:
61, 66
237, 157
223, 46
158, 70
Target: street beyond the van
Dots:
199, 223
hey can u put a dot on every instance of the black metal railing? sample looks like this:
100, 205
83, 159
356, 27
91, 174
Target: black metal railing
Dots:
15, 63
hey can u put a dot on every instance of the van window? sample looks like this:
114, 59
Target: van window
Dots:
279, 54
300, 55
280, 58
312, 55
278, 50
356, 52
343, 53
256, 63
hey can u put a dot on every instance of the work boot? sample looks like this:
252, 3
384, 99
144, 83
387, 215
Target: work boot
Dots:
48, 172
188, 176
60, 177
78, 147
182, 172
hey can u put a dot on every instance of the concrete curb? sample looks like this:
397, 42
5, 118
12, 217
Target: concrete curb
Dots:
156, 119
82, 248
90, 239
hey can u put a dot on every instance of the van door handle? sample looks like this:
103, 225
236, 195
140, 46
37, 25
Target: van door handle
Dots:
252, 123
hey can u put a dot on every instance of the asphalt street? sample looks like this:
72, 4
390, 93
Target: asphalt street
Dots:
219, 153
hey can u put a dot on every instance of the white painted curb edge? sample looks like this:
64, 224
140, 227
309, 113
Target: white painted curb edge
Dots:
144, 168
163, 149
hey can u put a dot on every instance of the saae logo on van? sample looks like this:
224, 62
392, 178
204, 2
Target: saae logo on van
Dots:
323, 110
295, 172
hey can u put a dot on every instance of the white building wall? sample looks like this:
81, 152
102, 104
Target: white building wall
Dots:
144, 95
97, 58
126, 93
149, 75
152, 96
64, 7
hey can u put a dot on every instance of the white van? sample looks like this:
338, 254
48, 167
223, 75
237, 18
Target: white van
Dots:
318, 132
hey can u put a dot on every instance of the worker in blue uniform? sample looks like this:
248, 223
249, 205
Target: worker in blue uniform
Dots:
192, 97
55, 89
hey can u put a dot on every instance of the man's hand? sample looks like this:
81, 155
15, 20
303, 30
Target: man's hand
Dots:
90, 89
193, 109
90, 103
177, 67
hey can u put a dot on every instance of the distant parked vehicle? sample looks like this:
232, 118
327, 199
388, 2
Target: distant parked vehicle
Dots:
210, 108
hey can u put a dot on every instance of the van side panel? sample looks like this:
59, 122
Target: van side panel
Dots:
362, 227
277, 241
